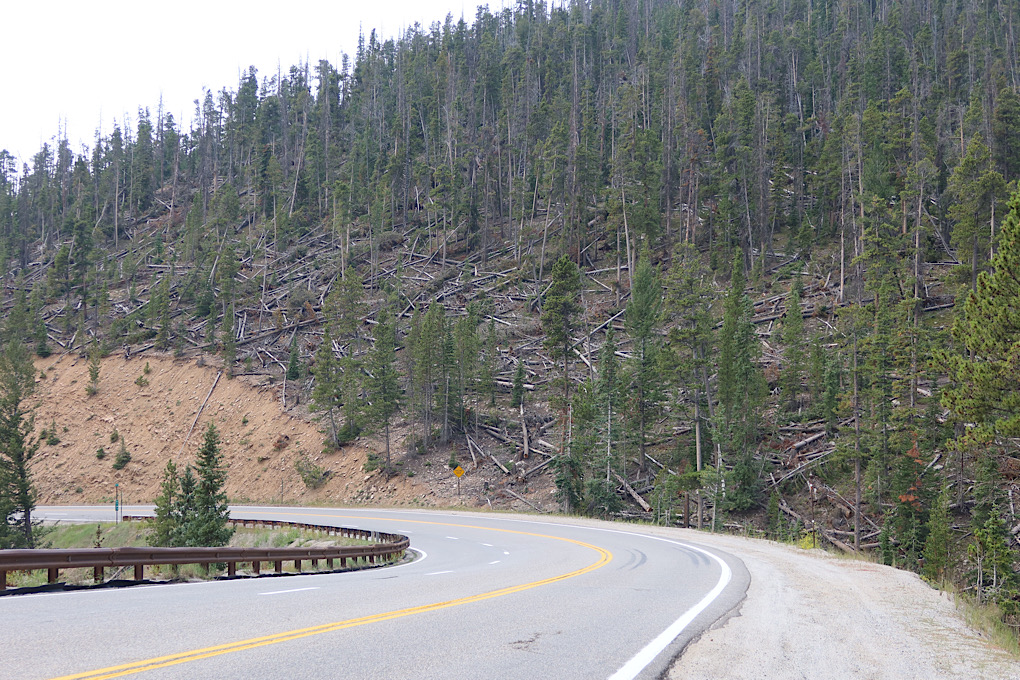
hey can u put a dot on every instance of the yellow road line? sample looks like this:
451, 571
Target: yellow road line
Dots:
173, 659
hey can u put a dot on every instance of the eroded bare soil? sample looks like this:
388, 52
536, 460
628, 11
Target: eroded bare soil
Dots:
260, 441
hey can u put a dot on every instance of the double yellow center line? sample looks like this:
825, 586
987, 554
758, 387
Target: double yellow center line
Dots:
194, 655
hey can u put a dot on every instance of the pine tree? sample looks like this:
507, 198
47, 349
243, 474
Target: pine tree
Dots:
642, 320
95, 362
993, 558
689, 303
937, 555
166, 523
326, 393
742, 392
17, 447
517, 389
559, 311
294, 362
792, 332
984, 390
383, 385
209, 527
487, 367
229, 342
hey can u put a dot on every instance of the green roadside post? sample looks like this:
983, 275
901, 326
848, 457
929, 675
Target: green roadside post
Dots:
116, 502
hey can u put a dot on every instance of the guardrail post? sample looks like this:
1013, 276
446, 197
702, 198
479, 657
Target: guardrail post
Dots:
279, 566
231, 568
52, 574
297, 566
256, 567
3, 580
97, 574
329, 563
139, 572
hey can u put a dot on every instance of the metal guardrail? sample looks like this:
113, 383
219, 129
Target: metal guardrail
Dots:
388, 547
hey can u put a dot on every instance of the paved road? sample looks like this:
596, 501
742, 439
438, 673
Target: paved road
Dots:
489, 597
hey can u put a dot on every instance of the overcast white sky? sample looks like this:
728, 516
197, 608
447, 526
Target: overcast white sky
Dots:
75, 64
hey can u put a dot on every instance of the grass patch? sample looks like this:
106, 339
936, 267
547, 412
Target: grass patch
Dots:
987, 618
110, 535
124, 534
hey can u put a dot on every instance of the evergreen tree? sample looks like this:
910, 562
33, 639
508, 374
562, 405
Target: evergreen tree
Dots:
792, 333
17, 447
166, 524
984, 391
517, 389
642, 320
487, 366
208, 526
383, 385
326, 393
95, 363
742, 392
937, 547
559, 312
294, 362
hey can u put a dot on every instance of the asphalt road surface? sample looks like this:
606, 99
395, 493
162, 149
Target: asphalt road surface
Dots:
489, 596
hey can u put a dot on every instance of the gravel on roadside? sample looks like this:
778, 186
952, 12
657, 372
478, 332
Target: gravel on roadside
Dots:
810, 614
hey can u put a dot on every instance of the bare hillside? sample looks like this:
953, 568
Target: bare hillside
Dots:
261, 441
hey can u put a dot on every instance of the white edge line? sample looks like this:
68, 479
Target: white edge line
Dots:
641, 660
293, 590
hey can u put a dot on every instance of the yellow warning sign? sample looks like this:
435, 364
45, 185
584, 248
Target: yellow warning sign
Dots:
459, 471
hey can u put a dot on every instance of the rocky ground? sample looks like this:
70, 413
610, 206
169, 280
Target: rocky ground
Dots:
154, 416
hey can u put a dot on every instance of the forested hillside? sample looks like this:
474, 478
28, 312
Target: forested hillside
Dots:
707, 256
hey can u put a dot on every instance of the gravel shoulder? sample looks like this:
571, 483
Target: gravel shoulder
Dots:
809, 614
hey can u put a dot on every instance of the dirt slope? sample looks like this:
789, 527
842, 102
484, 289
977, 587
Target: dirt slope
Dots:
260, 440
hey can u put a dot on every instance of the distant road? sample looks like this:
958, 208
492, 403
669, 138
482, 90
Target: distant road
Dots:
490, 596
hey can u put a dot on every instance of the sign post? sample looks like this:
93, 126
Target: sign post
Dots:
459, 471
116, 502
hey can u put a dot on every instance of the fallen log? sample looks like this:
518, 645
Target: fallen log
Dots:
634, 494
523, 499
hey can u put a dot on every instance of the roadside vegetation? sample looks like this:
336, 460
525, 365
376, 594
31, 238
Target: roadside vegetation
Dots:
139, 534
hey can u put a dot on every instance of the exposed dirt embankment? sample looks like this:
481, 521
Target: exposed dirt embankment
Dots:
260, 441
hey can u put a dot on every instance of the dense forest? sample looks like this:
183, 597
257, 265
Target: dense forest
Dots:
747, 263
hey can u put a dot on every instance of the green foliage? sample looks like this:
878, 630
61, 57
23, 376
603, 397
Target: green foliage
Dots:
373, 461
383, 385
517, 389
937, 549
984, 392
294, 368
992, 560
209, 525
793, 339
191, 509
49, 435
17, 491
123, 457
314, 476
559, 317
644, 375
742, 393
95, 357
